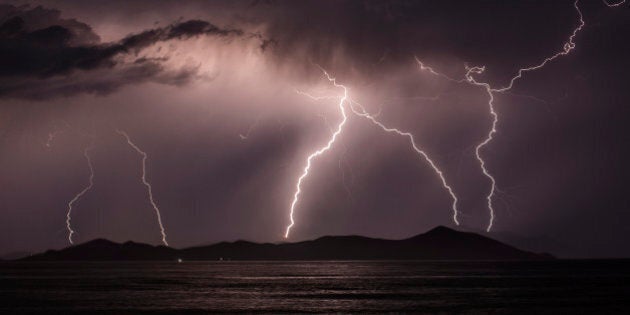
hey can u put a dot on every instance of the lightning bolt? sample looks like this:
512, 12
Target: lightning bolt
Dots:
146, 183
567, 47
322, 150
341, 159
430, 70
490, 136
86, 154
372, 118
614, 4
332, 131
420, 152
488, 139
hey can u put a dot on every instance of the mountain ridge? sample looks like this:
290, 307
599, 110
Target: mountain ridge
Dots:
439, 243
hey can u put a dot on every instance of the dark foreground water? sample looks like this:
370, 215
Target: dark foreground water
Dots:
592, 287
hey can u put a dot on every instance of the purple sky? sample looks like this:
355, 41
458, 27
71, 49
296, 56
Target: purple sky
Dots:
208, 91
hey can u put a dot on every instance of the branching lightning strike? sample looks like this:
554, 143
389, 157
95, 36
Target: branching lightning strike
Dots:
344, 101
322, 150
420, 152
568, 46
146, 183
86, 154
488, 139
372, 118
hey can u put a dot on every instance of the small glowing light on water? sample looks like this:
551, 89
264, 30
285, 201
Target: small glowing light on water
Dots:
179, 260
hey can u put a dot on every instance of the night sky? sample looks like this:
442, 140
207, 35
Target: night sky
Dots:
212, 91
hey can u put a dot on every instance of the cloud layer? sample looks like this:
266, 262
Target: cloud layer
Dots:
46, 56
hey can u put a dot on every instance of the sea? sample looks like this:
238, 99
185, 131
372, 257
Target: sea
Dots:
338, 287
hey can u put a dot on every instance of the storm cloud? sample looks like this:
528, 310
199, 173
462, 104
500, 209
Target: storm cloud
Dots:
46, 56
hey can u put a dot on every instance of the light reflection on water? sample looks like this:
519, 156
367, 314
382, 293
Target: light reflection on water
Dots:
327, 286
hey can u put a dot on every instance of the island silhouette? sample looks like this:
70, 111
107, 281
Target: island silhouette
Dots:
440, 243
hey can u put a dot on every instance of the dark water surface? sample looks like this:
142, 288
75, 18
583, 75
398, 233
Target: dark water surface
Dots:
592, 287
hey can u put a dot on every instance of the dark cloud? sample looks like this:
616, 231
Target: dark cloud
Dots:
369, 37
38, 55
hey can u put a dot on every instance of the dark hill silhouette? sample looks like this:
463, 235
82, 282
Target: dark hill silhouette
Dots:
440, 243
14, 255
102, 249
